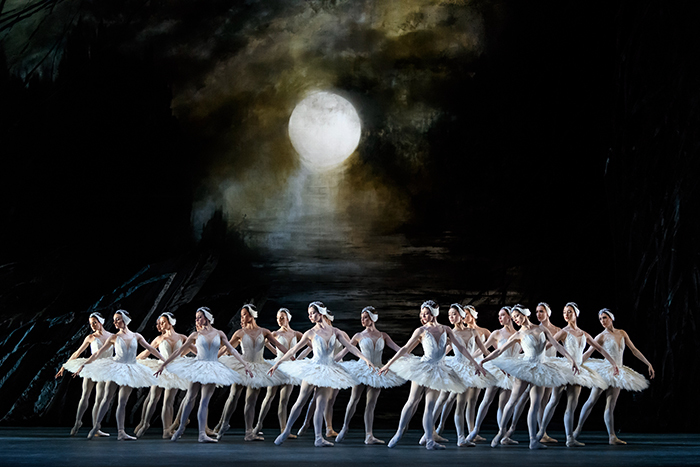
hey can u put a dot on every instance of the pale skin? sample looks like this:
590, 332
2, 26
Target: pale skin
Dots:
573, 390
370, 332
543, 318
612, 393
250, 328
520, 386
467, 398
494, 340
288, 334
124, 391
324, 331
205, 330
169, 335
101, 335
430, 325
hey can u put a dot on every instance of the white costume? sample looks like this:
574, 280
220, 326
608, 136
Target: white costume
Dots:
466, 369
206, 368
167, 379
95, 346
586, 377
252, 352
627, 379
321, 370
373, 351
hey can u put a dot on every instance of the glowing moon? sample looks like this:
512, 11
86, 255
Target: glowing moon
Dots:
324, 129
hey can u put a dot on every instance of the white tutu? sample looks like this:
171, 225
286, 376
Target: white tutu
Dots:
548, 372
165, 380
431, 374
367, 376
325, 375
260, 377
73, 365
205, 372
132, 375
502, 380
627, 379
467, 371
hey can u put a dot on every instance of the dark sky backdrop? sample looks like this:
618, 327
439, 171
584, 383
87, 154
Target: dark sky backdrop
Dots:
506, 155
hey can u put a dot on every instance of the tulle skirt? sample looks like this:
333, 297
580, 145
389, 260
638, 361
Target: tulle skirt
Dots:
205, 372
260, 377
467, 371
548, 372
433, 375
132, 375
588, 377
502, 380
165, 380
325, 375
627, 379
367, 376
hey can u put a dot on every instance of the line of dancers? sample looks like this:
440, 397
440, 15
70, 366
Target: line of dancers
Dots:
522, 366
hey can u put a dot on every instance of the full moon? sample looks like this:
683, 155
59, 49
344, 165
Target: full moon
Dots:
324, 129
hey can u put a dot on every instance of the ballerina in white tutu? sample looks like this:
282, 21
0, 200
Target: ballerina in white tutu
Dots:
168, 383
614, 341
471, 339
95, 341
428, 374
531, 369
574, 340
321, 371
472, 394
371, 342
252, 339
121, 371
504, 383
288, 337
543, 312
205, 372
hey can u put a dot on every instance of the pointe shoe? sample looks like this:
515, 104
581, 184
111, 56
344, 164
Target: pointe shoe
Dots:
370, 439
123, 436
281, 438
496, 441
252, 436
548, 439
341, 436
330, 433
462, 442
614, 440
204, 438
478, 438
292, 436
439, 439
433, 446
393, 441
534, 444
177, 434
222, 431
101, 434
302, 430
322, 443
506, 441
75, 428
572, 443
93, 431
140, 432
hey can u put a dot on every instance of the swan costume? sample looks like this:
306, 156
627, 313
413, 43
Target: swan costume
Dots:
503, 380
121, 369
252, 352
627, 379
373, 351
586, 377
279, 354
430, 370
95, 346
321, 370
167, 379
206, 368
466, 369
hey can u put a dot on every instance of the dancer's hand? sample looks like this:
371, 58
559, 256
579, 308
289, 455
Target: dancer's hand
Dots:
159, 371
651, 372
272, 370
247, 371
616, 371
480, 370
575, 369
384, 370
60, 373
78, 372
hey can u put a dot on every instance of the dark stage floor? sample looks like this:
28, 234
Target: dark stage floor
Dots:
52, 446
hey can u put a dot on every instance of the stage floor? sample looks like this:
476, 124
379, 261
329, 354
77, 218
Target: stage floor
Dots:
53, 446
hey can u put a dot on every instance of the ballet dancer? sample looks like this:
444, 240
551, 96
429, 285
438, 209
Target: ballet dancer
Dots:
574, 340
321, 371
120, 372
168, 383
428, 374
288, 337
503, 384
252, 339
531, 369
371, 342
95, 341
614, 342
203, 373
543, 313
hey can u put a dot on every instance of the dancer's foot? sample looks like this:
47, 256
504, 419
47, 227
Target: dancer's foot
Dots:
281, 438
422, 440
177, 433
101, 434
439, 439
139, 433
122, 436
534, 444
330, 433
75, 428
222, 431
322, 443
93, 431
292, 436
215, 430
506, 441
548, 439
203, 438
252, 436
167, 434
462, 442
302, 430
572, 443
478, 438
370, 439
440, 428
433, 446
496, 441
472, 436
614, 440
394, 440
577, 432
341, 436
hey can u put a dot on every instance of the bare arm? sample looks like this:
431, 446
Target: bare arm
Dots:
602, 351
600, 338
139, 338
96, 355
86, 343
305, 339
343, 339
234, 352
463, 350
355, 339
481, 347
411, 344
560, 348
638, 354
390, 343
512, 340
155, 343
235, 340
271, 338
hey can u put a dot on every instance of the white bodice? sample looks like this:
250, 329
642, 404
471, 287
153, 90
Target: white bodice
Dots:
323, 351
512, 351
252, 349
533, 346
575, 345
283, 340
611, 346
372, 350
123, 352
208, 350
166, 349
96, 345
433, 351
470, 345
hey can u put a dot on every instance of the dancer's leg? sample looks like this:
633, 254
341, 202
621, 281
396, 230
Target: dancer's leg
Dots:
409, 408
472, 395
88, 384
251, 398
323, 399
100, 391
370, 405
203, 413
536, 393
611, 396
545, 400
265, 407
285, 395
166, 413
572, 394
110, 390
350, 411
443, 406
518, 387
308, 419
517, 412
586, 410
229, 408
124, 392
186, 406
328, 414
483, 410
149, 407
549, 410
431, 397
460, 411
304, 393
